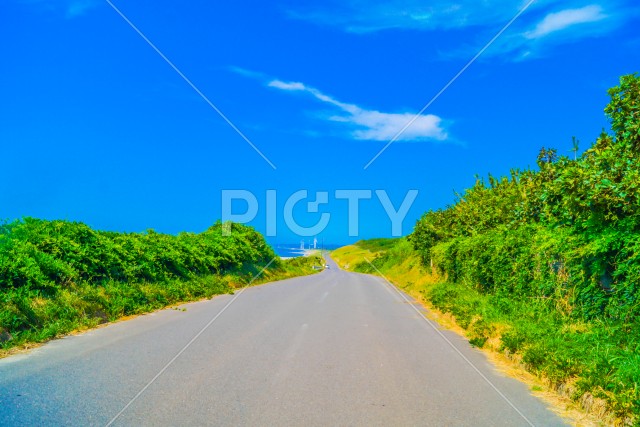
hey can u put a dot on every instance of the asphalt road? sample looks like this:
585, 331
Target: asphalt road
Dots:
333, 349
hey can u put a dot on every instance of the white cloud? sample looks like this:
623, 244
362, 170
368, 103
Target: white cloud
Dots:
278, 84
379, 126
564, 19
525, 39
534, 37
374, 125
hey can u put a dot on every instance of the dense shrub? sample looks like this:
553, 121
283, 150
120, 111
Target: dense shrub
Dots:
48, 255
56, 276
569, 231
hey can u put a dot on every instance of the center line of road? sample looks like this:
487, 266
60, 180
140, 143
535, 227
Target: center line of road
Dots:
465, 358
323, 297
235, 297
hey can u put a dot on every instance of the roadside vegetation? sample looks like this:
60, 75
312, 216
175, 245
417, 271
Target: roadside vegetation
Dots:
543, 265
57, 276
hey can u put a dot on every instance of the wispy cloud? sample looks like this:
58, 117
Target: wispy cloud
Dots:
372, 125
530, 37
358, 16
538, 36
565, 19
248, 73
360, 123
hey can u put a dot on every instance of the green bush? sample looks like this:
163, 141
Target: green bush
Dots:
48, 255
56, 276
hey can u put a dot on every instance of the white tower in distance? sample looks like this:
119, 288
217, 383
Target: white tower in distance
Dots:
315, 242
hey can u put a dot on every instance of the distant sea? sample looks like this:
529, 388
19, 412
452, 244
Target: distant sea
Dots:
292, 250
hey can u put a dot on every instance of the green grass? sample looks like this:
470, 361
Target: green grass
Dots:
376, 245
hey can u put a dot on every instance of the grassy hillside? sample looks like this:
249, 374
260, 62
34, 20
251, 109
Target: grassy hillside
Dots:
59, 276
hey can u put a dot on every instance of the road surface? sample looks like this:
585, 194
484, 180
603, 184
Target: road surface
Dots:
332, 349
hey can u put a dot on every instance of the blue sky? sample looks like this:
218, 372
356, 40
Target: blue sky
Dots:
97, 127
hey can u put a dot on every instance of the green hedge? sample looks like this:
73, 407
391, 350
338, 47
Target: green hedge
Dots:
47, 255
568, 231
56, 276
